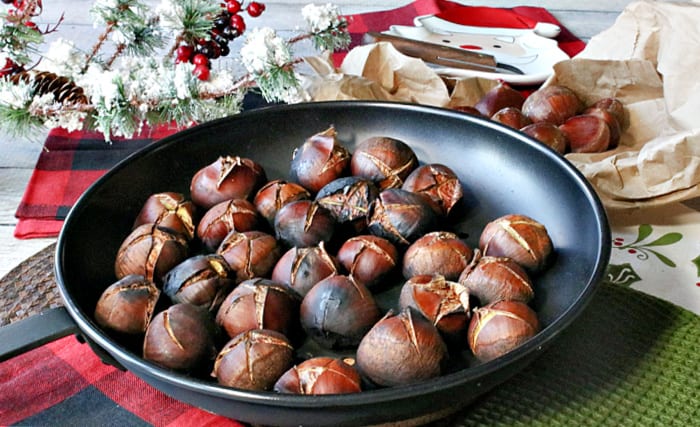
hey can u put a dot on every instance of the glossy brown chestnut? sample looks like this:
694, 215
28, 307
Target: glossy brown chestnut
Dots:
348, 199
500, 327
337, 312
181, 338
444, 303
250, 253
401, 216
225, 217
518, 237
609, 119
548, 134
401, 349
467, 109
321, 375
150, 251
512, 117
586, 134
499, 97
438, 252
491, 279
169, 210
127, 305
259, 304
615, 107
304, 223
229, 177
275, 194
438, 182
253, 360
553, 104
368, 259
302, 268
320, 160
202, 280
383, 160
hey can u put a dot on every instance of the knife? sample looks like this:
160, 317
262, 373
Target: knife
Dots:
441, 55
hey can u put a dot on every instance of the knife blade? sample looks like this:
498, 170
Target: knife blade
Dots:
441, 55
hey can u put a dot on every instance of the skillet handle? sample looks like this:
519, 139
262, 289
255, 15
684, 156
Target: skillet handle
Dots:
35, 331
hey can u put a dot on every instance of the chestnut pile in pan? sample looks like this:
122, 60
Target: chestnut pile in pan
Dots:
277, 284
555, 116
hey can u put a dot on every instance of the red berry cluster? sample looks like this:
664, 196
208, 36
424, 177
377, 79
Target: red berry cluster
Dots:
23, 12
227, 25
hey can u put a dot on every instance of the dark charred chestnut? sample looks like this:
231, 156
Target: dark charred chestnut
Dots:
518, 237
401, 216
253, 360
438, 182
226, 178
302, 268
499, 97
500, 327
169, 210
383, 160
548, 134
321, 375
610, 120
225, 217
320, 160
181, 338
443, 302
150, 251
304, 223
511, 117
492, 279
337, 312
586, 134
202, 280
553, 104
275, 194
348, 199
259, 304
127, 305
368, 259
438, 252
250, 253
401, 349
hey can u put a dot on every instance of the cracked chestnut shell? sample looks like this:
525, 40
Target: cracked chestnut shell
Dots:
320, 160
337, 312
229, 177
500, 327
250, 253
259, 304
401, 216
127, 305
275, 194
321, 375
369, 259
150, 251
438, 252
491, 279
553, 104
171, 211
253, 360
348, 199
518, 237
499, 97
181, 337
401, 349
383, 160
302, 268
202, 280
304, 223
439, 183
225, 217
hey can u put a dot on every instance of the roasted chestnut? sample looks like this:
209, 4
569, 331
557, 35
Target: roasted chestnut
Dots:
438, 252
250, 253
586, 133
499, 97
259, 304
500, 327
304, 223
169, 210
512, 117
321, 375
337, 312
320, 160
383, 160
610, 120
401, 349
368, 259
202, 280
181, 337
348, 199
127, 305
253, 360
229, 177
438, 182
224, 217
548, 134
302, 268
518, 237
553, 104
491, 279
275, 194
150, 251
401, 216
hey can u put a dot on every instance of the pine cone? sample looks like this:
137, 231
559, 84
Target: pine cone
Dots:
65, 90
